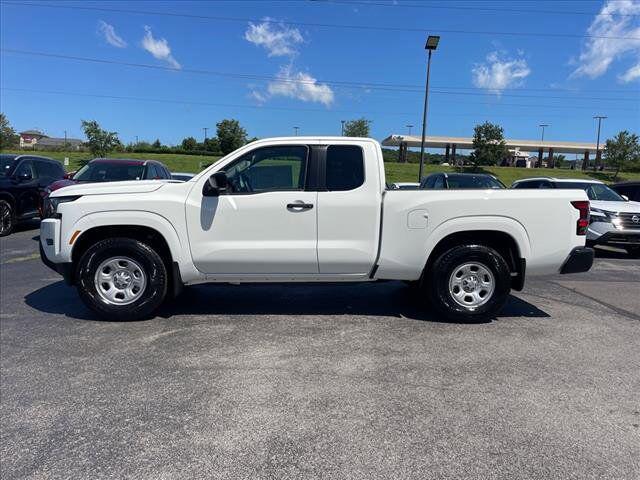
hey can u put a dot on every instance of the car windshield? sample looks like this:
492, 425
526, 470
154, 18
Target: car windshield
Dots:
595, 191
6, 162
473, 181
109, 172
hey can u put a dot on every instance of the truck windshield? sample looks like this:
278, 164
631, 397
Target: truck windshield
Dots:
109, 172
6, 162
595, 191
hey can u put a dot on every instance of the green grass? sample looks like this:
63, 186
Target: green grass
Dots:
396, 172
408, 172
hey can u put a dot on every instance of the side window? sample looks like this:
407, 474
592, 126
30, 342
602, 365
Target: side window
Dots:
545, 184
48, 170
428, 182
164, 172
344, 167
25, 167
269, 169
532, 184
438, 183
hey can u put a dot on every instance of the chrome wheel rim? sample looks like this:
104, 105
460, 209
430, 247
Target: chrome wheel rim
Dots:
120, 281
471, 285
5, 218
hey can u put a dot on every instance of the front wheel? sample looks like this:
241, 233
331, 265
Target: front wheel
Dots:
468, 283
122, 279
7, 218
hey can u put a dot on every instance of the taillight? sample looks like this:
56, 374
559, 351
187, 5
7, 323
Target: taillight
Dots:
583, 222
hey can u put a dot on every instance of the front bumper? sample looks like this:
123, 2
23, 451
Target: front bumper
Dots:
604, 233
50, 250
579, 260
64, 269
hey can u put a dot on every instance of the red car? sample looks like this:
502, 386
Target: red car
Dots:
110, 170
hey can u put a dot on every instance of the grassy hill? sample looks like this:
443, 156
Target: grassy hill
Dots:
396, 172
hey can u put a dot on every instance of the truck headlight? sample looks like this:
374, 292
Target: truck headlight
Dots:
51, 205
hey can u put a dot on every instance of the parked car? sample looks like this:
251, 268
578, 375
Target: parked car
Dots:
23, 179
115, 170
182, 177
404, 186
303, 209
614, 220
459, 181
631, 190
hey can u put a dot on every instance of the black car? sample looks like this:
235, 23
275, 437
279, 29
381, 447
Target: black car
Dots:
23, 179
631, 190
456, 181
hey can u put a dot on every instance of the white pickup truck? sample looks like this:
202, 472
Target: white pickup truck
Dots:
308, 209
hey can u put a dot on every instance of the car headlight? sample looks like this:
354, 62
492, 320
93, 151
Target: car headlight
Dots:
598, 215
51, 204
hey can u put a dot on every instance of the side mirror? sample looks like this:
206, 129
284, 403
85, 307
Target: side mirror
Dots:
215, 185
626, 199
25, 177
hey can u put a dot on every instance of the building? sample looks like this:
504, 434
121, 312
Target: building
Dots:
35, 139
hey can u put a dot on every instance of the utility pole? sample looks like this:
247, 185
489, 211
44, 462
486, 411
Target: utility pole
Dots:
205, 132
137, 141
343, 122
295, 129
543, 125
597, 159
430, 46
409, 127
65, 138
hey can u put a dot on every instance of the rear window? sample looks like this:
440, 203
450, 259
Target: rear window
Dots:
473, 181
109, 172
344, 168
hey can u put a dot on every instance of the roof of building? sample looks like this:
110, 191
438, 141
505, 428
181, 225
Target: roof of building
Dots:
55, 142
466, 143
33, 132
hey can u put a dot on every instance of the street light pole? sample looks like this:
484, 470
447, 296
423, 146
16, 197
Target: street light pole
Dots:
595, 161
409, 127
205, 132
295, 129
342, 122
430, 46
543, 125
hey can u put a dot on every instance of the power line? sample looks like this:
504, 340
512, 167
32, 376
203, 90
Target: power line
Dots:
470, 8
259, 107
313, 24
339, 83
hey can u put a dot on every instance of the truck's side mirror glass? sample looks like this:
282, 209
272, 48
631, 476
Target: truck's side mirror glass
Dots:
215, 185
626, 199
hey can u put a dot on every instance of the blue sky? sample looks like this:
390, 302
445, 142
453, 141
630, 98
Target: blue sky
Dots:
246, 64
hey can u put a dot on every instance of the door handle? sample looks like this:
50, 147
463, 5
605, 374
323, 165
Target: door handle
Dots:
299, 206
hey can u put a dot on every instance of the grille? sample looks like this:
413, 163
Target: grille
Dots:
626, 220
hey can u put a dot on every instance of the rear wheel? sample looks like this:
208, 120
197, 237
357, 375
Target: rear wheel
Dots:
634, 251
122, 279
7, 218
468, 283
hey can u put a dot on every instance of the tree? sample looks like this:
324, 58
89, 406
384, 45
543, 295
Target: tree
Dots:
489, 145
100, 141
157, 143
231, 135
211, 145
8, 137
357, 128
189, 143
623, 151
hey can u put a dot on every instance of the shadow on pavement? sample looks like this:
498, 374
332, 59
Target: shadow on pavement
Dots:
388, 299
611, 252
26, 226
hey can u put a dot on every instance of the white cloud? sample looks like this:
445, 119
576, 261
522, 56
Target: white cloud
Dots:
301, 86
499, 72
159, 48
110, 35
294, 84
617, 19
278, 39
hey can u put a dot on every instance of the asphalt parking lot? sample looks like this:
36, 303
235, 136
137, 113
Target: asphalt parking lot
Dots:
303, 381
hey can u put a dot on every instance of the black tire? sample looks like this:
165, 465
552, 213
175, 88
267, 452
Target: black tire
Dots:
146, 257
438, 276
7, 218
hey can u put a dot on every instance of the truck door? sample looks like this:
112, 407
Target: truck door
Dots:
349, 205
266, 221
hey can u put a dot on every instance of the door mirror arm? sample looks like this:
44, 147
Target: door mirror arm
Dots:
215, 185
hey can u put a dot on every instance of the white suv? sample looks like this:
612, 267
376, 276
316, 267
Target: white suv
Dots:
614, 219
